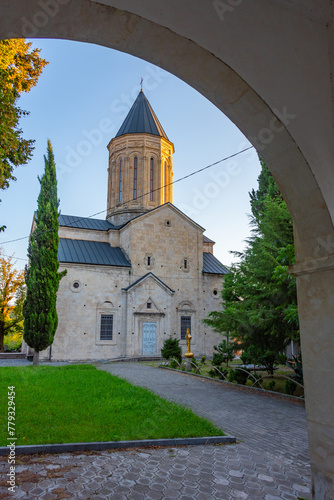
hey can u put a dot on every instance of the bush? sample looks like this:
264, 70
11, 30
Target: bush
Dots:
203, 360
271, 385
194, 360
173, 364
224, 354
172, 349
290, 387
217, 359
297, 366
215, 373
238, 376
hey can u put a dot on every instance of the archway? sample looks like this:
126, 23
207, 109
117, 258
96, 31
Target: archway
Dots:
234, 55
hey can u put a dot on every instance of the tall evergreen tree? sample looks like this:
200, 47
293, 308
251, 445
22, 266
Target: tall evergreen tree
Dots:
260, 299
42, 276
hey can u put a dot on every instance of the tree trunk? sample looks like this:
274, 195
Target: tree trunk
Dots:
36, 359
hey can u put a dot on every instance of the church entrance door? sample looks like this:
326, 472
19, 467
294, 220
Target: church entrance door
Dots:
149, 339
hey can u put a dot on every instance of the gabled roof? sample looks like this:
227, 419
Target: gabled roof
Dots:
211, 265
85, 223
141, 119
91, 252
160, 207
144, 278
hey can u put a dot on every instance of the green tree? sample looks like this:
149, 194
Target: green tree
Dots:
11, 298
224, 353
42, 276
20, 68
259, 295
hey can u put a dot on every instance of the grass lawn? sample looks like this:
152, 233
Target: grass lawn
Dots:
79, 403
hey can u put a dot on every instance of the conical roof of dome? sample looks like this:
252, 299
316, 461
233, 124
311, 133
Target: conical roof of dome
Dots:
141, 119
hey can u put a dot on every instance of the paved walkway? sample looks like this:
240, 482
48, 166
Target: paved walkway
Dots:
270, 462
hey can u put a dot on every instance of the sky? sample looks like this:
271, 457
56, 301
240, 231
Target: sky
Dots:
80, 102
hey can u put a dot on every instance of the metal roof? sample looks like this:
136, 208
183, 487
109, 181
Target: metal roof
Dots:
141, 119
146, 276
207, 240
85, 223
91, 252
212, 265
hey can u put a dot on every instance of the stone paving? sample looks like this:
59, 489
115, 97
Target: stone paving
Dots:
269, 462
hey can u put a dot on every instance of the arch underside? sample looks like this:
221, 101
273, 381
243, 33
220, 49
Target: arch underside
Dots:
92, 22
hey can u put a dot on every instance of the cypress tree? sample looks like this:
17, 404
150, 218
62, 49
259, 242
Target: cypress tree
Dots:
42, 276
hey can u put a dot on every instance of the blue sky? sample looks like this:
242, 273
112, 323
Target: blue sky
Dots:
80, 103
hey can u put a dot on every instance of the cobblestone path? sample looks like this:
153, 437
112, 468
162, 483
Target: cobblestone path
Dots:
270, 461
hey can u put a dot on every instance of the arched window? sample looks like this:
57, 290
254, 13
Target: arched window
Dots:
120, 179
135, 178
151, 180
165, 182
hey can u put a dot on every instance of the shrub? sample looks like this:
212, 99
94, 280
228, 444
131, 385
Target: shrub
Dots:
238, 376
296, 365
271, 385
224, 354
173, 364
172, 349
217, 359
194, 360
216, 374
290, 387
203, 360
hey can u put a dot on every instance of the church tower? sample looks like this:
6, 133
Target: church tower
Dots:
140, 169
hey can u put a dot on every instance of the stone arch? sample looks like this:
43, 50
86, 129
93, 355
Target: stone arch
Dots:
231, 60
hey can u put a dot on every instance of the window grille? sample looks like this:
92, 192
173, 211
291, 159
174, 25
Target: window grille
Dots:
106, 327
185, 324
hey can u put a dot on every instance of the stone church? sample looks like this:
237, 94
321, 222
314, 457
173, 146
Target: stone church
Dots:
145, 273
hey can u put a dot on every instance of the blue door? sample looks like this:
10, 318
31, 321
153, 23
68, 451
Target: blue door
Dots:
149, 339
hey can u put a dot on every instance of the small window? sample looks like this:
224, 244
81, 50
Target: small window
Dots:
151, 179
149, 305
76, 284
106, 327
135, 178
185, 263
120, 179
185, 324
148, 260
215, 292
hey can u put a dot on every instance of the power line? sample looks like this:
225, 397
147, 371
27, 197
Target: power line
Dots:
141, 196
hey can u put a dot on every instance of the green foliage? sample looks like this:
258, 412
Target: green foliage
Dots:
172, 349
174, 364
20, 68
259, 295
53, 407
42, 276
12, 293
297, 366
271, 385
221, 374
289, 387
203, 360
238, 376
224, 353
